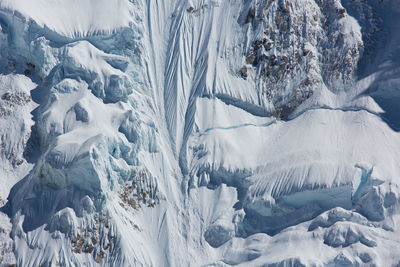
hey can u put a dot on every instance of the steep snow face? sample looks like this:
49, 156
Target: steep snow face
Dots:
181, 133
74, 18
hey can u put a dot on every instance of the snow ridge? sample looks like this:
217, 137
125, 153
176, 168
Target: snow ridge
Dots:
181, 133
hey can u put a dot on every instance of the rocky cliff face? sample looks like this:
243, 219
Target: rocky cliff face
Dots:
185, 133
298, 47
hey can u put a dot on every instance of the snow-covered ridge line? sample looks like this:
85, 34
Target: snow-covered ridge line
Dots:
181, 133
90, 17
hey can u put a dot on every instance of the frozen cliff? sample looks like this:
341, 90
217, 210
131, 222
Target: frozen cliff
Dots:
199, 133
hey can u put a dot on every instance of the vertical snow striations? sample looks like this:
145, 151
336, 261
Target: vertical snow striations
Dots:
185, 133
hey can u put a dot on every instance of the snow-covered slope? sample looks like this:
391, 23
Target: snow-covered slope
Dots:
194, 133
73, 19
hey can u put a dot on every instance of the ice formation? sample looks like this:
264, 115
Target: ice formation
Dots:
199, 133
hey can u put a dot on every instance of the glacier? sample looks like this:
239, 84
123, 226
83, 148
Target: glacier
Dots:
199, 133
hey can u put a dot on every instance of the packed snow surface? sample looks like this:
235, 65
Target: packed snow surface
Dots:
75, 18
199, 133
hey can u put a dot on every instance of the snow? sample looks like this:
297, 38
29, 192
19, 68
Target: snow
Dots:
15, 106
148, 147
74, 19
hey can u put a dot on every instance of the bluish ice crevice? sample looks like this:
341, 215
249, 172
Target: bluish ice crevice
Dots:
360, 189
239, 126
253, 109
344, 109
